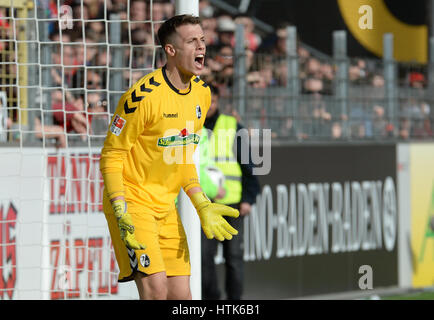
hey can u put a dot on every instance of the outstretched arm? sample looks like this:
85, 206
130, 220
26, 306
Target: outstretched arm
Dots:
211, 215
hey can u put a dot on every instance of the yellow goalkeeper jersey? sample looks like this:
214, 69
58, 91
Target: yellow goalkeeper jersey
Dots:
148, 152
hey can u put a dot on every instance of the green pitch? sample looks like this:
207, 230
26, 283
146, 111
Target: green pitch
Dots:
418, 295
415, 296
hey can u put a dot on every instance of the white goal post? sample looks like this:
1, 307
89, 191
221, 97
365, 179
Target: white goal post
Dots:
187, 211
62, 66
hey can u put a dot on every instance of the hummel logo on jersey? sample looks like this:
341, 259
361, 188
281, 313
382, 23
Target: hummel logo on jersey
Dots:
133, 258
170, 115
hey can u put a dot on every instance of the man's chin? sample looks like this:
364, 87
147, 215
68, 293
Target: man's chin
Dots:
197, 72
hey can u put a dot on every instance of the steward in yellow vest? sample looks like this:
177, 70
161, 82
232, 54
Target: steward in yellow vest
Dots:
221, 150
225, 149
241, 188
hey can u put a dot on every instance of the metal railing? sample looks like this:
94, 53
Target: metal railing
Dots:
305, 98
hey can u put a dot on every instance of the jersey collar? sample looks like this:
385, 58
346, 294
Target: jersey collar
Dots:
182, 92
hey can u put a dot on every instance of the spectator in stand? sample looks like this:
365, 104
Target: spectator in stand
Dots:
321, 117
95, 8
357, 72
379, 123
65, 57
95, 79
267, 75
79, 14
96, 30
421, 125
336, 131
253, 40
209, 26
169, 8
360, 120
103, 58
158, 17
222, 61
258, 79
416, 80
225, 77
158, 13
226, 30
224, 57
220, 68
49, 132
75, 122
280, 72
5, 120
117, 6
91, 51
140, 36
205, 9
377, 81
313, 68
312, 85
410, 113
274, 44
327, 75
354, 73
138, 13
315, 119
426, 113
404, 128
287, 130
327, 72
70, 117
5, 25
97, 113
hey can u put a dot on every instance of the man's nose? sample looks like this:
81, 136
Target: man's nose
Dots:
200, 45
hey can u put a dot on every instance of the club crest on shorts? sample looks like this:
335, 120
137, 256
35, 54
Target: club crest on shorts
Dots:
144, 260
198, 112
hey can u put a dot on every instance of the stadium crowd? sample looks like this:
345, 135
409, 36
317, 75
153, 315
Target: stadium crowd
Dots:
82, 64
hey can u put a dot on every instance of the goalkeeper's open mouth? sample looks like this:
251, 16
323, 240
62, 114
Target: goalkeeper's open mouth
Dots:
199, 61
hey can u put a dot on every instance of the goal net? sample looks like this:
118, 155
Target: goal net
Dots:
63, 67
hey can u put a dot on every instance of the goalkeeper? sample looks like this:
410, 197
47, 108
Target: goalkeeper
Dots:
147, 158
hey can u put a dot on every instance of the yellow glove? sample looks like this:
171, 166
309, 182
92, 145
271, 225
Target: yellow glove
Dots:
125, 224
210, 214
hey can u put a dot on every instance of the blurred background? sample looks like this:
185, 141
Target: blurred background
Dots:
345, 86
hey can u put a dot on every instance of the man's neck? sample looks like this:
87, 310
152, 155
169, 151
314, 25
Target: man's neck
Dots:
177, 78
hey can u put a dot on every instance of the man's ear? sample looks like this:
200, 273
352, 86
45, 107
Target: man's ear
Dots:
170, 49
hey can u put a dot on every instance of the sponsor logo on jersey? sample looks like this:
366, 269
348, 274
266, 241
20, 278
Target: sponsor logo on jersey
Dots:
117, 125
182, 139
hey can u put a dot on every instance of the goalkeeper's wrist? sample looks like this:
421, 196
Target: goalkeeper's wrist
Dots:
199, 200
119, 207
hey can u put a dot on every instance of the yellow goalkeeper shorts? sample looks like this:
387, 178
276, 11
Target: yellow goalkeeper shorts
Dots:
164, 238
